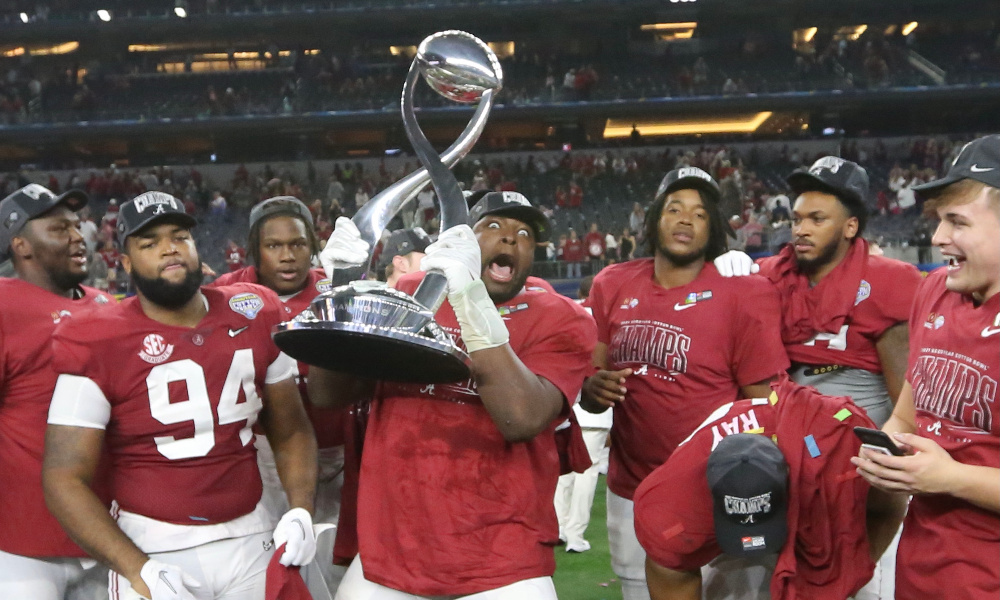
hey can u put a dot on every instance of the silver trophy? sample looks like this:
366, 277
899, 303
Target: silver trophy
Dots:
381, 333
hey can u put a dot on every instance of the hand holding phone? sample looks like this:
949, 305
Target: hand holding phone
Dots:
878, 441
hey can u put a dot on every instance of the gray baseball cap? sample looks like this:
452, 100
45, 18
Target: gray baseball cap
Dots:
146, 209
978, 160
28, 203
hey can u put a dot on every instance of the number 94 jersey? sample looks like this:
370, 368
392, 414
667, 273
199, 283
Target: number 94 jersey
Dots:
178, 404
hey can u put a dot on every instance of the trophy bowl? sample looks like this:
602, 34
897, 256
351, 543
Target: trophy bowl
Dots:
373, 332
459, 66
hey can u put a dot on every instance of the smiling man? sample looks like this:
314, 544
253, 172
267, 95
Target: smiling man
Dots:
171, 382
676, 340
457, 479
40, 233
947, 418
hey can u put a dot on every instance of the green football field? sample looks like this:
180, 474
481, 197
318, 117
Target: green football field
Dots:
588, 575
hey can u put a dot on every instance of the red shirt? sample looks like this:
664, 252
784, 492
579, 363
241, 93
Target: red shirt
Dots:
951, 548
883, 300
826, 554
28, 316
327, 423
183, 401
691, 348
573, 251
235, 258
594, 243
446, 505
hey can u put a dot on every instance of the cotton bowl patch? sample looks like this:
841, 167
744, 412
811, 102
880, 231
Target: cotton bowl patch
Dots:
247, 305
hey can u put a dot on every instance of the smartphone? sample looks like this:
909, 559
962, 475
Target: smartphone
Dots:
879, 441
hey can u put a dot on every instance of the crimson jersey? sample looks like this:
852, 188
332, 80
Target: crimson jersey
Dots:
690, 349
327, 423
182, 401
953, 368
884, 298
446, 505
826, 556
28, 315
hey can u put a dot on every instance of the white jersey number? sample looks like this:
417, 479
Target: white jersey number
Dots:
835, 341
198, 408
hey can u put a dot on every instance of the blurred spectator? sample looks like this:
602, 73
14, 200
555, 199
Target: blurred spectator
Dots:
574, 254
594, 244
235, 256
626, 245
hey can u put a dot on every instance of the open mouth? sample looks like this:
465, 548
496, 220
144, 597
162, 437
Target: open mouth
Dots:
79, 257
501, 268
955, 262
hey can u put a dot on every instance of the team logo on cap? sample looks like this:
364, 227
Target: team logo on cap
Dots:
830, 163
747, 508
155, 349
247, 305
158, 202
34, 191
515, 198
11, 220
693, 172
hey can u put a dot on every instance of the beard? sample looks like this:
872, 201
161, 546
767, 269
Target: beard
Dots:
808, 266
166, 294
67, 280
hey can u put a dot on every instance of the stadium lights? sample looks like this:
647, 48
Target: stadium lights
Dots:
746, 123
909, 27
24, 17
104, 15
668, 26
810, 34
180, 12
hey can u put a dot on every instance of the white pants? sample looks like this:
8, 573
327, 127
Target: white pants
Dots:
883, 583
24, 577
232, 569
356, 587
575, 491
321, 576
628, 559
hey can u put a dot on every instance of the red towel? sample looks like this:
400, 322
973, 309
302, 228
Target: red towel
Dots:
284, 583
806, 310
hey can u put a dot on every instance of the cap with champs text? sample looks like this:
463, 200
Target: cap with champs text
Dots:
748, 477
978, 160
147, 209
688, 178
834, 175
30, 202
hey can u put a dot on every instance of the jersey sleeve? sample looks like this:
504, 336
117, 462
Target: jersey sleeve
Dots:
281, 369
78, 402
597, 301
759, 352
563, 351
71, 354
900, 282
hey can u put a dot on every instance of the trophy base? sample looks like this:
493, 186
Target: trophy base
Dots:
372, 352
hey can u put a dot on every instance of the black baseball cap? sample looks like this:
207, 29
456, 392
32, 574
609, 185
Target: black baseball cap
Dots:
748, 477
509, 204
689, 178
146, 209
30, 202
280, 205
401, 242
693, 178
978, 160
833, 175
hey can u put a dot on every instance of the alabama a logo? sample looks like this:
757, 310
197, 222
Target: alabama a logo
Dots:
247, 305
155, 349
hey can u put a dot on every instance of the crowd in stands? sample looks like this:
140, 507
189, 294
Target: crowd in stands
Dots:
134, 87
595, 200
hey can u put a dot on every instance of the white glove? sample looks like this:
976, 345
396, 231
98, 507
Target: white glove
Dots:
345, 248
295, 530
735, 264
168, 582
456, 254
482, 326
